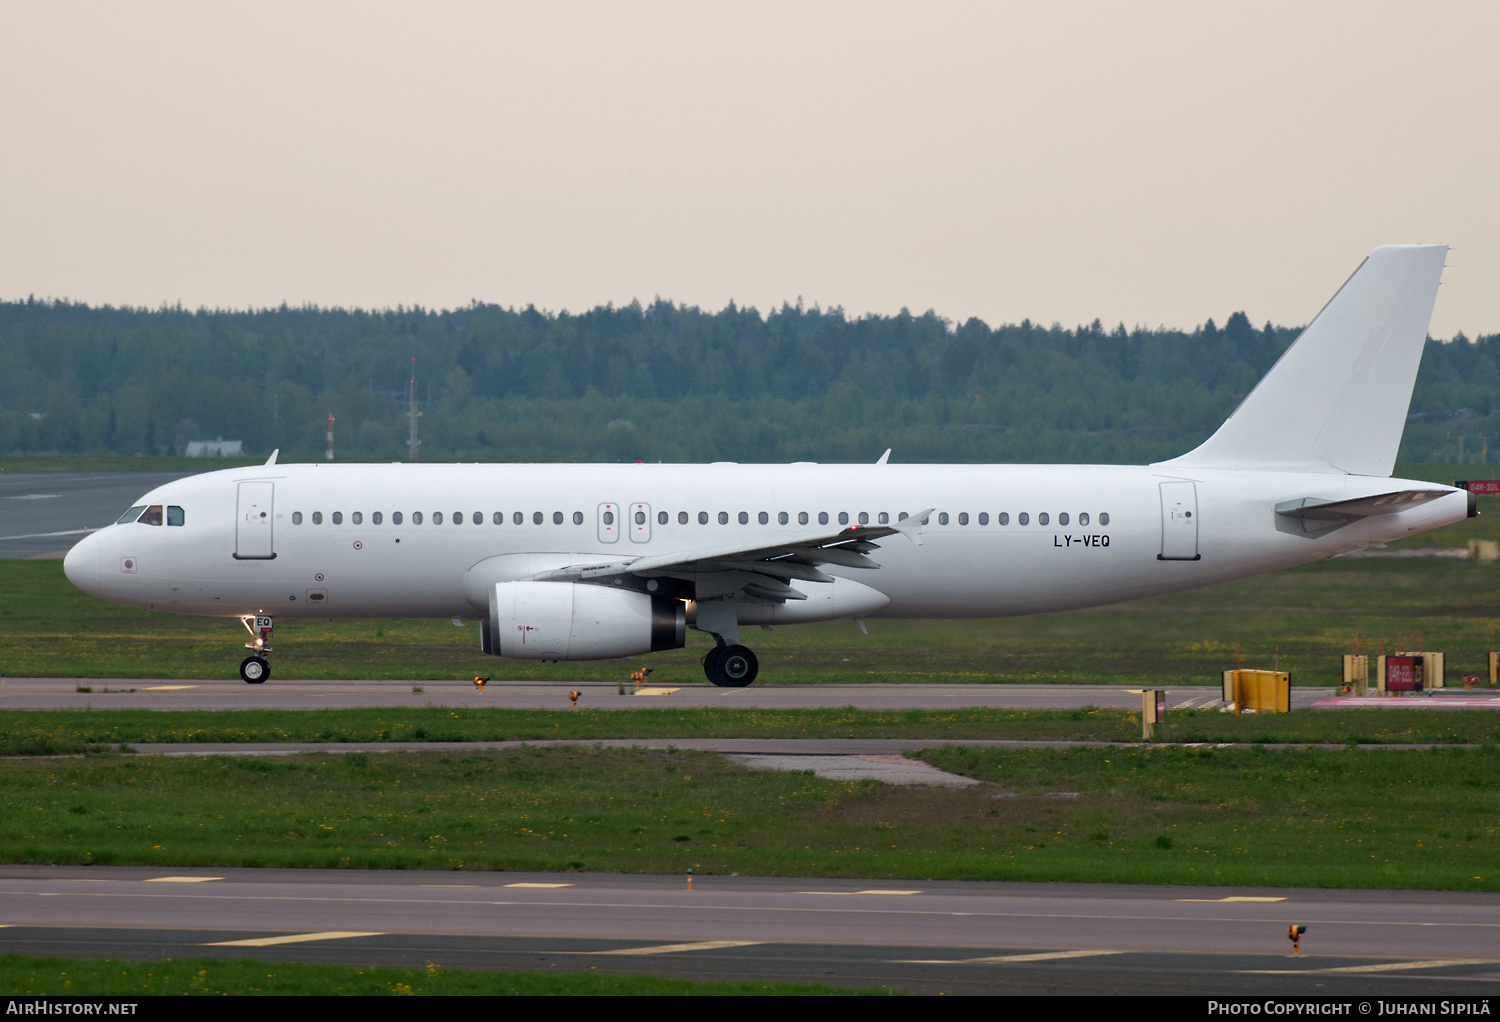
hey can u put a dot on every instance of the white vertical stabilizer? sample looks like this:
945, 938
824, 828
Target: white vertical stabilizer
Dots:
1338, 397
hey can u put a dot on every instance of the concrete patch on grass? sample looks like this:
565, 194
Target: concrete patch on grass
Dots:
887, 769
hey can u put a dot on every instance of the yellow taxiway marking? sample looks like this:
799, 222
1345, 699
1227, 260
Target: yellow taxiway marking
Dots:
538, 885
1217, 901
180, 880
296, 938
667, 949
1043, 956
167, 688
654, 691
1435, 963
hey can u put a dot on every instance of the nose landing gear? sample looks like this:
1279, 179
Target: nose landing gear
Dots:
255, 669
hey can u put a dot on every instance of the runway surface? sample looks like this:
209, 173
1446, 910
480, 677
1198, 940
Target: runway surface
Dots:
233, 694
42, 514
925, 936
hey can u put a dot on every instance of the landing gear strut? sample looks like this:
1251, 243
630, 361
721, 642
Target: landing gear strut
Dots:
255, 669
731, 666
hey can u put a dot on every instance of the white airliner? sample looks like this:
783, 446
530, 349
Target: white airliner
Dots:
579, 562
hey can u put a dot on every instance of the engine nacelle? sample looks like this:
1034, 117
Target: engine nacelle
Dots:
571, 621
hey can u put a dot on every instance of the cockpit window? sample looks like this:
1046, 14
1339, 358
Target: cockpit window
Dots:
152, 515
174, 515
131, 515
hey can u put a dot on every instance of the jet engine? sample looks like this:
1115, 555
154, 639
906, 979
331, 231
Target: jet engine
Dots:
573, 621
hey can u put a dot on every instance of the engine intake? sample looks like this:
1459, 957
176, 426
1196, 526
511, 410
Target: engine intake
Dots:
572, 621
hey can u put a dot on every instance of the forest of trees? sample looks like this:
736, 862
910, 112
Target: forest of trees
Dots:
661, 383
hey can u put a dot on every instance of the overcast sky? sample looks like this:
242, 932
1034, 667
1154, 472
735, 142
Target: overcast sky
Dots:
1145, 163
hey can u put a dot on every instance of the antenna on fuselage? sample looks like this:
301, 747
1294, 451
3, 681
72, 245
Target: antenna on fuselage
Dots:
412, 443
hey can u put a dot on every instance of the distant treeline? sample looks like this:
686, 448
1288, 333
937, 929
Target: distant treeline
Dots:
661, 383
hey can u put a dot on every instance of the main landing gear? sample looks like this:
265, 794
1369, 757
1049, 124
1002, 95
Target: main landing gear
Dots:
731, 666
728, 664
255, 669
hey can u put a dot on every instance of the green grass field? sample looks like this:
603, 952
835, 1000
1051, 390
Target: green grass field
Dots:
64, 977
1345, 818
51, 732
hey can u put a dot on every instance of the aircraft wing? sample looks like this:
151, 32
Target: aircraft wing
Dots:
758, 569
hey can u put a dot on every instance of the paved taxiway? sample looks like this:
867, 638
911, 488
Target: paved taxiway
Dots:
233, 694
917, 935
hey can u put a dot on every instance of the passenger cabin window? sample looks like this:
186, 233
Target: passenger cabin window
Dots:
1103, 517
376, 518
577, 517
498, 518
395, 517
744, 518
1062, 519
478, 518
1003, 518
1023, 518
864, 518
1042, 518
822, 517
702, 517
662, 518
885, 518
296, 517
131, 515
1083, 518
640, 518
174, 515
984, 518
557, 517
152, 515
338, 518
536, 518
518, 518
801, 517
437, 518
942, 518
723, 517
682, 518
458, 518
357, 518
783, 518
763, 518
843, 518
317, 518
416, 518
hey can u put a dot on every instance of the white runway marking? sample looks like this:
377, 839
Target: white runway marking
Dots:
1043, 956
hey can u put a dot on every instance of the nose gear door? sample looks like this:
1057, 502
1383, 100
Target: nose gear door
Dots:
252, 524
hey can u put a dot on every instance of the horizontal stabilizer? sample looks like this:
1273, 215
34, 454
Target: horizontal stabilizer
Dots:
1317, 516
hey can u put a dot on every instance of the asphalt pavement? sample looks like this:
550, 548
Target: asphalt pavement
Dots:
919, 935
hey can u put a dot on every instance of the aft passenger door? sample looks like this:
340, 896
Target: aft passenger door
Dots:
1179, 522
253, 522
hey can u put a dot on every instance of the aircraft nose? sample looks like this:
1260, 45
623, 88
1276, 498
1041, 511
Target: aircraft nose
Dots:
81, 565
